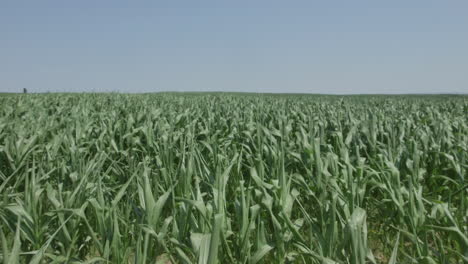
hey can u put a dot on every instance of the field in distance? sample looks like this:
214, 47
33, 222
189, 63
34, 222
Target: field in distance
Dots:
233, 178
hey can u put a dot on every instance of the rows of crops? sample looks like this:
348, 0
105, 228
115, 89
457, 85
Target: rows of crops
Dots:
228, 178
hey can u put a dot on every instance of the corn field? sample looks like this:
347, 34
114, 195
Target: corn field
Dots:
233, 178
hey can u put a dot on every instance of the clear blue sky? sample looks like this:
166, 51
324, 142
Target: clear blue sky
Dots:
410, 46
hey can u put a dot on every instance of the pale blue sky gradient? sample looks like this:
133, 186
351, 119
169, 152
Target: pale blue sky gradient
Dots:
410, 46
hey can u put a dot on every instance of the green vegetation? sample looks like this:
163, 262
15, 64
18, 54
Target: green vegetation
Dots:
233, 178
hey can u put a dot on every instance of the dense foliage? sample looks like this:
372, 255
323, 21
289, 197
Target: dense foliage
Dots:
233, 178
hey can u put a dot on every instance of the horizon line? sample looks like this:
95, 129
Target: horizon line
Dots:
273, 93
